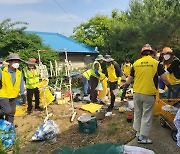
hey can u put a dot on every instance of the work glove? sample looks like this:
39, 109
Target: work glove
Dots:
124, 91
23, 97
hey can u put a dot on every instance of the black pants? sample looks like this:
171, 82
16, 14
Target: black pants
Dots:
93, 85
7, 109
30, 93
113, 86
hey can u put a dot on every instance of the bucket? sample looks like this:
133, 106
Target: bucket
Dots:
100, 115
88, 127
129, 116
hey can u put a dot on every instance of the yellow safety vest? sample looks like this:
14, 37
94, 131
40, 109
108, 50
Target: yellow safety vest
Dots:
145, 71
171, 78
9, 90
102, 76
127, 68
112, 74
87, 74
32, 78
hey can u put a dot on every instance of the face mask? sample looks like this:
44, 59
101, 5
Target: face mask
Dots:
1, 66
15, 65
167, 57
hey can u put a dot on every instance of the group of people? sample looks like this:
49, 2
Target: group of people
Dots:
146, 73
14, 82
95, 75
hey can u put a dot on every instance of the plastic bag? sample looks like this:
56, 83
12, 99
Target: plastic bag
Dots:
136, 150
99, 87
7, 133
47, 131
177, 124
131, 104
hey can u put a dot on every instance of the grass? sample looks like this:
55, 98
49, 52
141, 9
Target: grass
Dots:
15, 148
112, 128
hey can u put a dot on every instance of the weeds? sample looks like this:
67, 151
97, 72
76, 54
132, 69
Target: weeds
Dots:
112, 129
15, 148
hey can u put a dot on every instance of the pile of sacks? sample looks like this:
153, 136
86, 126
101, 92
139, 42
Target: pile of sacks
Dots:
47, 131
7, 134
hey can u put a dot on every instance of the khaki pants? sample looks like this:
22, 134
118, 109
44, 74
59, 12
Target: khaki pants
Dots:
143, 113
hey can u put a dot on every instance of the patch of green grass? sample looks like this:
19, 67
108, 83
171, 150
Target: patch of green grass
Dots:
112, 129
2, 148
15, 148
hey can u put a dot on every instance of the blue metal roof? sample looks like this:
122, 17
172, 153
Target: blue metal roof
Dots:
58, 42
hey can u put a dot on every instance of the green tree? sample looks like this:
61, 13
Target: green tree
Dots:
158, 20
14, 39
94, 32
123, 34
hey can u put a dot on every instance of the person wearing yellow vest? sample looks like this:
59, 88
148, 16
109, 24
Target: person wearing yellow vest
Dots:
172, 67
12, 86
31, 74
114, 76
86, 77
126, 68
96, 68
145, 72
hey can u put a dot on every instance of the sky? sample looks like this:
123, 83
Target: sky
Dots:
57, 15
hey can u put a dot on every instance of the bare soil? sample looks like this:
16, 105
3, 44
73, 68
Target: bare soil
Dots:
114, 129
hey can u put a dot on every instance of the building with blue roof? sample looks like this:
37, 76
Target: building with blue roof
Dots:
78, 53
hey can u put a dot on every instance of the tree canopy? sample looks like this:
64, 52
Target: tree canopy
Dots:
124, 33
13, 39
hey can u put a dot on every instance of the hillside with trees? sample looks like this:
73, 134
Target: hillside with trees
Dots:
122, 35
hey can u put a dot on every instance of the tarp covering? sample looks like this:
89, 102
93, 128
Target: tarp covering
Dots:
91, 107
105, 148
20, 110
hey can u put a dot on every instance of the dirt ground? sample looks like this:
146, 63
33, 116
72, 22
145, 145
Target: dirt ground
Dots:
113, 129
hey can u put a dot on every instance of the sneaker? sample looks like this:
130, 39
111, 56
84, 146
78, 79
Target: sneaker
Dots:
39, 109
145, 141
137, 135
